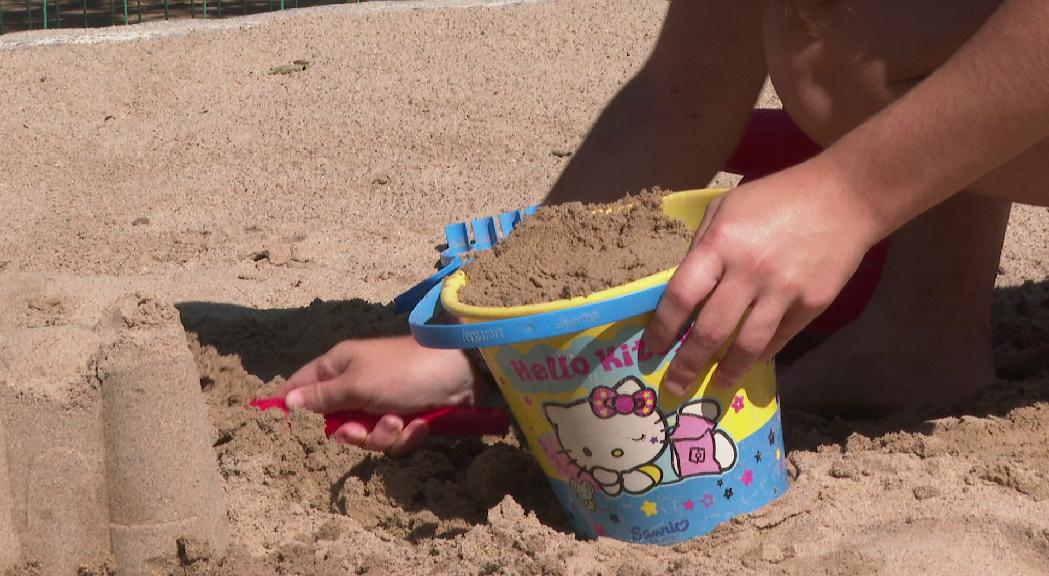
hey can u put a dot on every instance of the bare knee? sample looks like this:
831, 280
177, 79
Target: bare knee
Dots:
838, 67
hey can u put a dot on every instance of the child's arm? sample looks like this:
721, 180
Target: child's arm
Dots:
986, 105
676, 122
784, 246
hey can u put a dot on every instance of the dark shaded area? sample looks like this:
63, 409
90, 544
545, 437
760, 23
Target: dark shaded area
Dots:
276, 342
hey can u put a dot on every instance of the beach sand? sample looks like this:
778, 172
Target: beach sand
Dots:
182, 230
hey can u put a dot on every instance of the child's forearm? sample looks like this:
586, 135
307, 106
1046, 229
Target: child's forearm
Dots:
677, 121
986, 105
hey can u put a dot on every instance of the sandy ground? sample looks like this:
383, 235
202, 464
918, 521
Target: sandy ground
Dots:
151, 186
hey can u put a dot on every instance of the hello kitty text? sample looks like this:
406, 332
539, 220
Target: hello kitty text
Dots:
560, 367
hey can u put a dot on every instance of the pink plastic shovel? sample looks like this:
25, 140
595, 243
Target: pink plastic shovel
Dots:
445, 421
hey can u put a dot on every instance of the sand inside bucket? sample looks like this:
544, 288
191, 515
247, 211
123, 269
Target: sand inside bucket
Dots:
576, 249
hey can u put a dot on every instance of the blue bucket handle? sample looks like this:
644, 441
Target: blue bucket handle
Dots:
411, 297
525, 328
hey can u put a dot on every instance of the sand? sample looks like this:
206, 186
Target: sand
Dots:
181, 230
576, 249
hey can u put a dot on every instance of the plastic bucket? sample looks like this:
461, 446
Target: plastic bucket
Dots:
628, 459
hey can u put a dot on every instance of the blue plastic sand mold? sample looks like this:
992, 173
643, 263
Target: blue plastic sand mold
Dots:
485, 235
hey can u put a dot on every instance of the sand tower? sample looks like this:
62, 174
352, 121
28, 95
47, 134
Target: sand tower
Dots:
105, 451
161, 476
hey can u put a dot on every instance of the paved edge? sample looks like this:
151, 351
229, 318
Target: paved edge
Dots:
149, 30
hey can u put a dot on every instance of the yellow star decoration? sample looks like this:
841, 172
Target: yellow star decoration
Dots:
777, 454
649, 508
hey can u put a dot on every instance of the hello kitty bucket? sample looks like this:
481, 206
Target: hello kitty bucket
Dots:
627, 459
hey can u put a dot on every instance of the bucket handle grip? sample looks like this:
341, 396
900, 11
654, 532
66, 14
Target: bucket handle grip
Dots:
413, 295
526, 328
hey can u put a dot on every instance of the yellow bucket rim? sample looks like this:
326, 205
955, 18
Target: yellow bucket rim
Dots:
450, 291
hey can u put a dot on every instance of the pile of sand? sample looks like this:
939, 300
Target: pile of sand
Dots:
170, 220
577, 249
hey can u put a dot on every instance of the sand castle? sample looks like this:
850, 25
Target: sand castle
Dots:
101, 388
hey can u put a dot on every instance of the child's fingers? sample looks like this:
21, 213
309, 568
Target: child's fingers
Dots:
714, 326
793, 322
694, 279
351, 433
327, 396
410, 438
303, 376
753, 339
403, 443
385, 433
708, 217
324, 367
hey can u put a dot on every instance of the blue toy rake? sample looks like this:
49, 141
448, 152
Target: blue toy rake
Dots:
457, 234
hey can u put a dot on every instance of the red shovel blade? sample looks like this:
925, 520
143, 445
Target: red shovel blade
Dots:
445, 421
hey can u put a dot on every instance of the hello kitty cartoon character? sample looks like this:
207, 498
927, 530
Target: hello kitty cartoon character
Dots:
616, 434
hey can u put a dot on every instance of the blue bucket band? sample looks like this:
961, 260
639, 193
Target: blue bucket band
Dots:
526, 328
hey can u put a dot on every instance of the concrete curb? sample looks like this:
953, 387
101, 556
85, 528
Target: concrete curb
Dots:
150, 30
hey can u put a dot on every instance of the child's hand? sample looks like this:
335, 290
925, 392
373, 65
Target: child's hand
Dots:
777, 250
388, 376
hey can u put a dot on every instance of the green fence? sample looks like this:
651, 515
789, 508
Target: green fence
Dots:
18, 15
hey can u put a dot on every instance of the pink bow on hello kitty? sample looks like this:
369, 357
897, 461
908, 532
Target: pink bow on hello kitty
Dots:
606, 402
